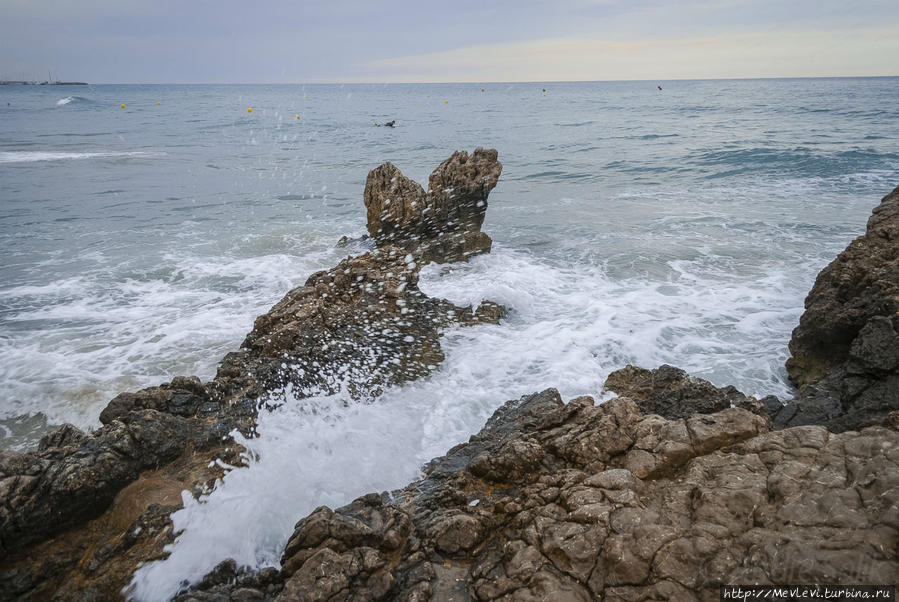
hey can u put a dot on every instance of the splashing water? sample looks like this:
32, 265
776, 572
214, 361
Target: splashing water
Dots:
568, 328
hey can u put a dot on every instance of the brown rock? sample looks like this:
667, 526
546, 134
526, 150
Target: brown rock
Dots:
672, 393
844, 355
443, 224
362, 325
724, 500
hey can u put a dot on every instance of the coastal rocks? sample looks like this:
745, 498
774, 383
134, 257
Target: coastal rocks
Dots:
672, 393
84, 510
844, 351
443, 224
104, 501
665, 492
363, 324
582, 502
74, 480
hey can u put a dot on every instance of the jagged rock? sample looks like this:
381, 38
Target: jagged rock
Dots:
844, 351
362, 325
443, 224
554, 501
57, 487
181, 397
229, 583
666, 492
672, 393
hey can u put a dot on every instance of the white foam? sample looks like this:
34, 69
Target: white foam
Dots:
84, 339
568, 328
64, 101
33, 156
312, 452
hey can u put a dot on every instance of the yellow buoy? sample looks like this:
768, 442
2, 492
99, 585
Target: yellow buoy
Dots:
250, 110
296, 116
123, 106
307, 96
446, 102
158, 103
482, 89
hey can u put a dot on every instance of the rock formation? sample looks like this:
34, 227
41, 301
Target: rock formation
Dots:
361, 326
443, 224
672, 393
554, 501
668, 491
845, 351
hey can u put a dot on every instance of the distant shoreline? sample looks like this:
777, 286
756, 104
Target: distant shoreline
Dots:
23, 83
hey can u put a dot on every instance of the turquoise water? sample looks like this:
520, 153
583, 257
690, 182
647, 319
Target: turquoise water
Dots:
631, 225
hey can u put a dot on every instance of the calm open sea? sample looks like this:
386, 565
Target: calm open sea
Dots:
631, 225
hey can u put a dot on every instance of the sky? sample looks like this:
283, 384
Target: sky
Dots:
282, 41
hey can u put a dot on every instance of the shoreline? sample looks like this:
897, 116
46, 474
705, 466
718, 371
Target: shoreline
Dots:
24, 83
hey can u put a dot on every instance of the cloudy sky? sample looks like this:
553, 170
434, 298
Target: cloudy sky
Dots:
272, 41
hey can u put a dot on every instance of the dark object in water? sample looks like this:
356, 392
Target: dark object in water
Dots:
660, 87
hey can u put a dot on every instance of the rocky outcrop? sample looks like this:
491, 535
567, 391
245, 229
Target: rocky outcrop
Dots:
668, 491
845, 351
443, 224
554, 501
357, 327
672, 393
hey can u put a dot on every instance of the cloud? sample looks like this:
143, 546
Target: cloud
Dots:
170, 41
857, 52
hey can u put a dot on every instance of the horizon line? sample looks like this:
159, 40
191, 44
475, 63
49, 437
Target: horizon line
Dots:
426, 82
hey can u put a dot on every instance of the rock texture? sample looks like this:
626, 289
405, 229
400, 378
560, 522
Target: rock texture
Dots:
554, 501
672, 393
443, 224
83, 510
845, 351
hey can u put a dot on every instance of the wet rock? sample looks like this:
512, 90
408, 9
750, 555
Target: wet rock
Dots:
672, 393
230, 583
65, 436
844, 356
554, 501
181, 397
443, 224
57, 487
356, 328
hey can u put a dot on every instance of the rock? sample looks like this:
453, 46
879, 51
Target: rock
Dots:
362, 325
443, 224
844, 351
584, 502
57, 487
666, 492
672, 393
181, 397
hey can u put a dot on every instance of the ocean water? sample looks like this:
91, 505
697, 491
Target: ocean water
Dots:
630, 225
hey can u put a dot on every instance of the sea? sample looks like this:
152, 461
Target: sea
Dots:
144, 227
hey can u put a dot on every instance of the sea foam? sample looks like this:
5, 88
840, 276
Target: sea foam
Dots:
32, 156
566, 328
